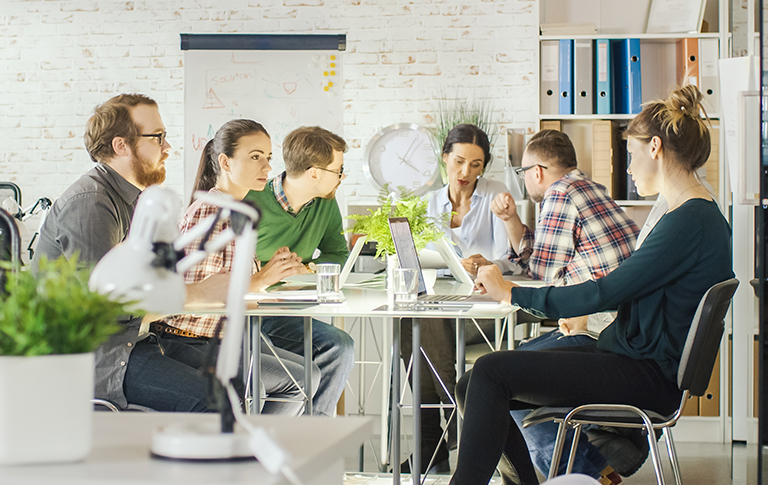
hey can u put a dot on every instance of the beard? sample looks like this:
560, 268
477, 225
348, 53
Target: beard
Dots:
148, 173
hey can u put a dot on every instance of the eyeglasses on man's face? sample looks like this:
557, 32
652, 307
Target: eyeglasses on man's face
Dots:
340, 173
520, 171
160, 137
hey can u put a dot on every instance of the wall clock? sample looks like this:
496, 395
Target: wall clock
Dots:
402, 155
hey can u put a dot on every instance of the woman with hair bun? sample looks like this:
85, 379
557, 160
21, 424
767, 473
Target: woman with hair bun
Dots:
656, 291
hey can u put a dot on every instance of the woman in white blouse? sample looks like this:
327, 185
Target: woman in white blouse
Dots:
474, 230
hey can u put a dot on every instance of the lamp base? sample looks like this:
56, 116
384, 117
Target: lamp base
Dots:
199, 442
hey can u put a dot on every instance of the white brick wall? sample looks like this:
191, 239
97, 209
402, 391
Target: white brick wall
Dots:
59, 58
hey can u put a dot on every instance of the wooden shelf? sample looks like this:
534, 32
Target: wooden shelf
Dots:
705, 35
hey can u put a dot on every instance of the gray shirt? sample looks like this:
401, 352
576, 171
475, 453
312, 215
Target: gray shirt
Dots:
91, 217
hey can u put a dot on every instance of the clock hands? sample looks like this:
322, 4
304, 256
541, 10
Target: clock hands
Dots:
406, 158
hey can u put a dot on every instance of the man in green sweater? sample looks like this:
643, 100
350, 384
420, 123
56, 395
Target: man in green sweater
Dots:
299, 210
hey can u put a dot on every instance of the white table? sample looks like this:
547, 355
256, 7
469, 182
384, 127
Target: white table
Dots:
362, 303
121, 447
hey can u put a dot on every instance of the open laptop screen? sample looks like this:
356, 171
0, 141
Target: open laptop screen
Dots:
405, 248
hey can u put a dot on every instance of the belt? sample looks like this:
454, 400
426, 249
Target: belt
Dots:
161, 328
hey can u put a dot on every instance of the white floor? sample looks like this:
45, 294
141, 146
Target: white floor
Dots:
700, 463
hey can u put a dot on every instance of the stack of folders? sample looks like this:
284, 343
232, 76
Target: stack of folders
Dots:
604, 76
584, 76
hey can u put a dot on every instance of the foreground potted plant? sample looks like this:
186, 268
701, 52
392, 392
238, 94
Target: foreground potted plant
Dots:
49, 327
375, 225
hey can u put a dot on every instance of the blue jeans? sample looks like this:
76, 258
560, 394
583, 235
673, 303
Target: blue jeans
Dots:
167, 378
275, 382
541, 437
333, 351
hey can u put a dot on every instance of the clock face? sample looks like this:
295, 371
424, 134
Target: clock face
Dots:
402, 155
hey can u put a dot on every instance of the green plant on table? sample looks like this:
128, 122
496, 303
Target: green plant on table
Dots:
54, 312
375, 225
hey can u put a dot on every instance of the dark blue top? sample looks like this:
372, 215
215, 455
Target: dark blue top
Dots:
656, 290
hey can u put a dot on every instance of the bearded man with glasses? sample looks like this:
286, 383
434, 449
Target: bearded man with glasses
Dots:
126, 139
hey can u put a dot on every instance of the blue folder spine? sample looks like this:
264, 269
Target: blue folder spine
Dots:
635, 78
603, 75
566, 77
628, 79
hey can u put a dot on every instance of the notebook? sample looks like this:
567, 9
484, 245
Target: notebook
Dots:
407, 256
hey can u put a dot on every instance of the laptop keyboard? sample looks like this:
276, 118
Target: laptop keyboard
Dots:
439, 298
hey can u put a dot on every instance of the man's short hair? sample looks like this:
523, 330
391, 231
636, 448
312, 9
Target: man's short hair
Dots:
310, 146
113, 119
554, 148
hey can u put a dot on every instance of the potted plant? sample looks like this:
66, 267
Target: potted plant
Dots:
49, 327
375, 225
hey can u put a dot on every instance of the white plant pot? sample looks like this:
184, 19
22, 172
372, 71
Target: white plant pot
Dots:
46, 415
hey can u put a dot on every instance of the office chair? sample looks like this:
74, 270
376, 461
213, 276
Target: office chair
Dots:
694, 372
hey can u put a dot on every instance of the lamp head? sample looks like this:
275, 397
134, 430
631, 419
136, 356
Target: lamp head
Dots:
127, 272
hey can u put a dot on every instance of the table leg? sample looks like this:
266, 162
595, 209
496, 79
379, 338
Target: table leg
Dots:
361, 387
395, 459
256, 373
416, 392
462, 361
511, 325
308, 364
386, 380
246, 355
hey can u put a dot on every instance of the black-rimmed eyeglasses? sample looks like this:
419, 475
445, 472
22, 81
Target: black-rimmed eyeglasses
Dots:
160, 137
520, 171
340, 173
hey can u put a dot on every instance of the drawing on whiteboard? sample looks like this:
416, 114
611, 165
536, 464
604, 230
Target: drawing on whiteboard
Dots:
232, 82
292, 87
212, 101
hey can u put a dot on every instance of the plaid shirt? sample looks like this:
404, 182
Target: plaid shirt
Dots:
582, 234
215, 263
277, 188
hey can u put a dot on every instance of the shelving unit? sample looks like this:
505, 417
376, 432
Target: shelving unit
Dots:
626, 19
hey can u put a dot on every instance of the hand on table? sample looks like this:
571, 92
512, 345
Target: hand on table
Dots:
472, 263
282, 265
490, 281
504, 207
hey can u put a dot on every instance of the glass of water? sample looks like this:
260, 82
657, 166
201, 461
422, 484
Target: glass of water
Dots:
404, 288
328, 281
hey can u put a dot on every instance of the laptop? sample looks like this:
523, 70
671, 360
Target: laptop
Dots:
445, 248
407, 256
299, 290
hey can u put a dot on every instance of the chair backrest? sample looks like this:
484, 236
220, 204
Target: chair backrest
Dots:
704, 336
9, 189
10, 244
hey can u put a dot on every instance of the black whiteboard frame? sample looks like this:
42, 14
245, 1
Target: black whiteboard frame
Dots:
279, 42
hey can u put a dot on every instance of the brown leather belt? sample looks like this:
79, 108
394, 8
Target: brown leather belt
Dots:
161, 328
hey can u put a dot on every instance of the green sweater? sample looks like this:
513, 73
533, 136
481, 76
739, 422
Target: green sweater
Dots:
656, 290
315, 227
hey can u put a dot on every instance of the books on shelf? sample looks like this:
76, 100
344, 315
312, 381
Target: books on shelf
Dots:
605, 76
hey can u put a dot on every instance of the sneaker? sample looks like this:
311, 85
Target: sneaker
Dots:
625, 449
609, 477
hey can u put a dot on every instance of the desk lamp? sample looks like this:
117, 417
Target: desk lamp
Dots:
148, 267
